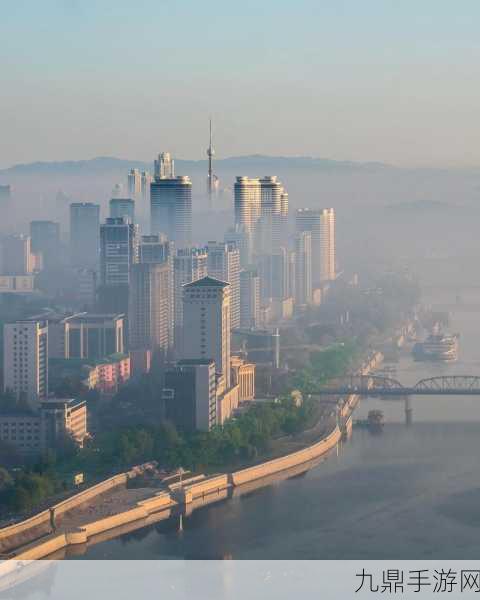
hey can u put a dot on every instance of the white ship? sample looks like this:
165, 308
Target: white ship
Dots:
438, 347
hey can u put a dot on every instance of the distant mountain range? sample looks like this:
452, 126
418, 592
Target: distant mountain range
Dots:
103, 164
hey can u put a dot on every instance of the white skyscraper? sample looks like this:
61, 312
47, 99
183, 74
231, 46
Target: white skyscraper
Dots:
134, 184
261, 210
206, 323
247, 206
321, 224
25, 360
224, 264
164, 166
189, 264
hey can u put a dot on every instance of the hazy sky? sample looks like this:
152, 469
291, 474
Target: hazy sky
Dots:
390, 80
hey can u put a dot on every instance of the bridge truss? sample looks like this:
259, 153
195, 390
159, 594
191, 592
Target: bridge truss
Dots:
374, 385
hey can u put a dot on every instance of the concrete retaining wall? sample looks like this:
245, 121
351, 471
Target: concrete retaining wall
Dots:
207, 486
286, 462
39, 525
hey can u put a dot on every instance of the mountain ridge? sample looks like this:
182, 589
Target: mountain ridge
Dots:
112, 163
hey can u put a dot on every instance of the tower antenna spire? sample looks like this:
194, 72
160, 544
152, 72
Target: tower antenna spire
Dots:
211, 176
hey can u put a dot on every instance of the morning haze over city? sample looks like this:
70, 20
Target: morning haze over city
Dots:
239, 285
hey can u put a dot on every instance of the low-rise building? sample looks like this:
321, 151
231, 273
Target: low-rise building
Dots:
32, 432
105, 374
243, 375
227, 403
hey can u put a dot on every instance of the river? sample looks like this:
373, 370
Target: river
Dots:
410, 492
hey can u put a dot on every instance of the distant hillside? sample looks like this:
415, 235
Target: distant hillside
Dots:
104, 164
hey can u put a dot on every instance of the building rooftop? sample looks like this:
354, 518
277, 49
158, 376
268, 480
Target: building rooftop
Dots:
195, 361
206, 282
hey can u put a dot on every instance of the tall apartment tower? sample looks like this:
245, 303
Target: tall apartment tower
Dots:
45, 238
122, 208
247, 206
146, 180
134, 184
224, 264
270, 226
189, 264
85, 234
149, 310
261, 211
303, 268
118, 252
164, 166
171, 209
206, 323
236, 235
249, 299
321, 224
16, 255
154, 249
25, 360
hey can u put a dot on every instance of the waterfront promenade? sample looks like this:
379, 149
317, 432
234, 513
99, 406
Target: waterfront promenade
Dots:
111, 505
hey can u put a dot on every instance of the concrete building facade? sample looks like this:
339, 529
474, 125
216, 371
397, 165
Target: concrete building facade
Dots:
25, 360
206, 323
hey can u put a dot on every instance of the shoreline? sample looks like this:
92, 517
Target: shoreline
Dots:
165, 504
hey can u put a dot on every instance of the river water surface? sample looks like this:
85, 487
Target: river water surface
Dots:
410, 492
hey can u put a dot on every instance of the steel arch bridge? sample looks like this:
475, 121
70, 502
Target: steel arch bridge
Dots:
374, 385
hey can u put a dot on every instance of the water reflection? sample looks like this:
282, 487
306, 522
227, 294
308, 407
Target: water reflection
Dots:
411, 492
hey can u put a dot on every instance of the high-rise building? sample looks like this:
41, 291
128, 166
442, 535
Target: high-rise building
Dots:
86, 287
122, 208
224, 264
242, 241
249, 299
164, 166
247, 205
261, 211
85, 234
303, 268
134, 184
321, 223
146, 180
171, 209
190, 393
16, 255
149, 311
206, 323
118, 252
269, 227
25, 360
45, 239
154, 249
189, 264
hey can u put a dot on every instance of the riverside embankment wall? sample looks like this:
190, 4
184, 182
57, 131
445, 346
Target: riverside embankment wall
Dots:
216, 485
20, 534
39, 525
285, 462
